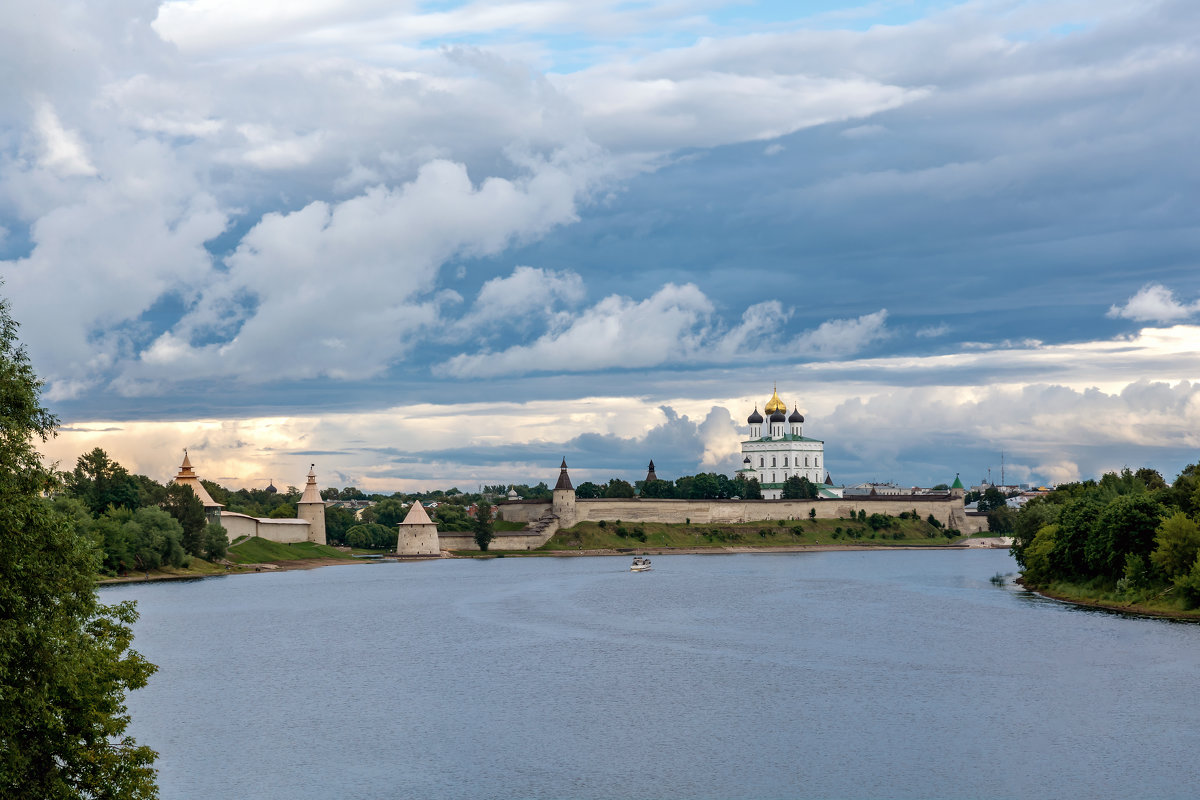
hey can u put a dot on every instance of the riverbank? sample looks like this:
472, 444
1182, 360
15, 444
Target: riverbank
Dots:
222, 570
1062, 595
696, 551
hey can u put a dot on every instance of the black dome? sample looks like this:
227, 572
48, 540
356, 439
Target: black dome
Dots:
778, 416
755, 418
796, 416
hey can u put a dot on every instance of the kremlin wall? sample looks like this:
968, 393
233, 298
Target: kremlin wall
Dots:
775, 457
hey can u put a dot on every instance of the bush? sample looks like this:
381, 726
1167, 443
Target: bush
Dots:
932, 520
603, 524
878, 522
622, 532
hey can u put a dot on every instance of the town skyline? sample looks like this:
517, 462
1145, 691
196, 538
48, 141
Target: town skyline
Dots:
452, 243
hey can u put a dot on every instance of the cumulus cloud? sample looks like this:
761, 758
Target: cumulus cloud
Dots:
387, 246
62, 150
517, 299
1154, 303
675, 325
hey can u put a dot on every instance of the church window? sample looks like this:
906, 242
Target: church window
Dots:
806, 461
772, 461
760, 461
785, 461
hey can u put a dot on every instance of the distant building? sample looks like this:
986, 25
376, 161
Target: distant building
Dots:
781, 451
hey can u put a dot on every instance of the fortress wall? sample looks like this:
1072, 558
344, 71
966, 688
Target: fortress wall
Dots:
522, 512
284, 531
728, 511
946, 510
515, 540
236, 525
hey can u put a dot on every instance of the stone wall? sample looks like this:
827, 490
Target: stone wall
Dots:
284, 531
522, 510
945, 509
503, 540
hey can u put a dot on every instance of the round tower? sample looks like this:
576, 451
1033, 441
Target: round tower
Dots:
311, 508
563, 504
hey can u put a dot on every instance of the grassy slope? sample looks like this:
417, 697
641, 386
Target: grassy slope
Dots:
257, 550
590, 536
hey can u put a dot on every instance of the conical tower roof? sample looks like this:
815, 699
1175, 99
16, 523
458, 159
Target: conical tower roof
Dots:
957, 483
417, 515
311, 493
187, 477
564, 480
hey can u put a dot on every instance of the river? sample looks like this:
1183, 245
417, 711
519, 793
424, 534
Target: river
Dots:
899, 674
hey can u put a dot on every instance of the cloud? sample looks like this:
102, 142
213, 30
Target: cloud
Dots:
841, 337
62, 150
528, 293
675, 325
1154, 303
933, 331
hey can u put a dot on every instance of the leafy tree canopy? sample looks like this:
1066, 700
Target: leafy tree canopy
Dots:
65, 659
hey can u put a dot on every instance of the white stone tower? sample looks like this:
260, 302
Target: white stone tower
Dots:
563, 504
418, 534
311, 508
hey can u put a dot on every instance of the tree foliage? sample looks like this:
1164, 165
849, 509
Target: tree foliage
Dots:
482, 525
101, 483
1129, 532
65, 659
183, 504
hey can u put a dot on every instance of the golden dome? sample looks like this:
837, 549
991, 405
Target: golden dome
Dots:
775, 404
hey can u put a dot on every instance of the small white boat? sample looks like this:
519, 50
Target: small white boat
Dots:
640, 564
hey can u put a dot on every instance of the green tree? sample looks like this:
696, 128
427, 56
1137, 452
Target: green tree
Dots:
451, 517
655, 488
753, 490
992, 498
216, 541
1176, 545
1126, 526
798, 487
283, 511
388, 512
183, 504
1001, 519
337, 522
588, 491
618, 488
65, 659
100, 483
1152, 478
482, 525
155, 538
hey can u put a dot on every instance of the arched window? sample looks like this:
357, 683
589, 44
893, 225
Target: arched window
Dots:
817, 462
760, 461
785, 461
772, 461
806, 461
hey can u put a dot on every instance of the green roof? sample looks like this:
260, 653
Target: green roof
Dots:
957, 483
787, 437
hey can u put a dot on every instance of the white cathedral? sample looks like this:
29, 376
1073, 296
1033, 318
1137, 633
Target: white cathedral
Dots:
783, 451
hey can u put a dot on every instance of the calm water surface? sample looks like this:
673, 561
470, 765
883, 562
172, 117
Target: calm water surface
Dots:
856, 675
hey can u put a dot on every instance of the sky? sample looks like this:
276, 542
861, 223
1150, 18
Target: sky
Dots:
430, 243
